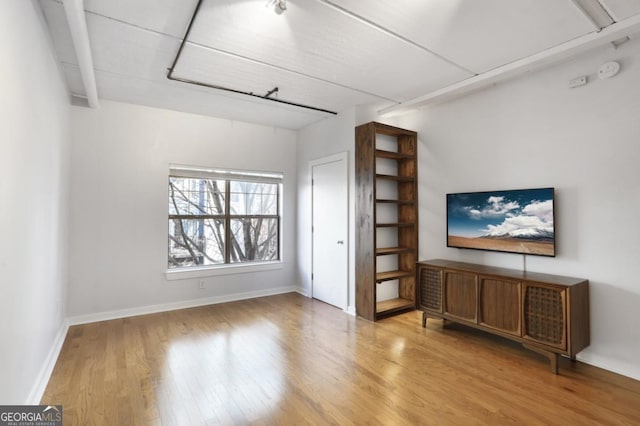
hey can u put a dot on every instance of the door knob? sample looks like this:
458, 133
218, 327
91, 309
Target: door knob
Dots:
340, 242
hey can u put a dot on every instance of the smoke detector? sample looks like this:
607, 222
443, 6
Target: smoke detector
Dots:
608, 70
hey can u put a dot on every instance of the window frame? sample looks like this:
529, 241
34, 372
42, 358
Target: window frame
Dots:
229, 176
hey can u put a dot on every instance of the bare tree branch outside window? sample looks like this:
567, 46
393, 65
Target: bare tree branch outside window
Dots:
218, 221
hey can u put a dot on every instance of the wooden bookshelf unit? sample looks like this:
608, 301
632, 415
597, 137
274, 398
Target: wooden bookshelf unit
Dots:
548, 314
386, 221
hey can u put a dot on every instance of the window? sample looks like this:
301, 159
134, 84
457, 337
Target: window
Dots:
219, 217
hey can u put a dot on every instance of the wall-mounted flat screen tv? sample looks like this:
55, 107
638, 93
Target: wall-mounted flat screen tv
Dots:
515, 221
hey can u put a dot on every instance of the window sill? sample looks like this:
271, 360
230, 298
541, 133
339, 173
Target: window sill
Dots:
211, 271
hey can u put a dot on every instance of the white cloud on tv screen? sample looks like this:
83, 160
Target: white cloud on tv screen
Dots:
534, 220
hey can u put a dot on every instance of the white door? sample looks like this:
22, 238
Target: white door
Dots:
330, 230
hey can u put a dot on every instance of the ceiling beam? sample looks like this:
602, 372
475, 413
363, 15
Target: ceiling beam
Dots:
597, 16
74, 10
546, 57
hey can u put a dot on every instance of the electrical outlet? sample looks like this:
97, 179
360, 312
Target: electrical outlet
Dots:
578, 81
201, 284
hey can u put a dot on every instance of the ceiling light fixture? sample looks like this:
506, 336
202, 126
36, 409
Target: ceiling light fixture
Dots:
279, 6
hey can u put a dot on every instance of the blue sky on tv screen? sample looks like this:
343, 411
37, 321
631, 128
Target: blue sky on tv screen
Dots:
524, 213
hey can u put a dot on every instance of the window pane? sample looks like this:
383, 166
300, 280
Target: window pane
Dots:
253, 198
194, 242
254, 239
189, 196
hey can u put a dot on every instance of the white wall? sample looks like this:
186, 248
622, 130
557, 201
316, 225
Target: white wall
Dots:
120, 159
535, 132
330, 136
33, 201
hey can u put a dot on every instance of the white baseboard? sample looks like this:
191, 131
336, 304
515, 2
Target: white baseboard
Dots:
303, 291
606, 364
47, 368
351, 310
152, 309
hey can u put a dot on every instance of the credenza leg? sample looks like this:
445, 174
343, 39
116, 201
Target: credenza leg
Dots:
424, 319
552, 356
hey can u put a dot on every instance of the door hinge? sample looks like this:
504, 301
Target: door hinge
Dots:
311, 276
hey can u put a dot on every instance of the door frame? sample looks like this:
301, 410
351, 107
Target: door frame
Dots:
344, 157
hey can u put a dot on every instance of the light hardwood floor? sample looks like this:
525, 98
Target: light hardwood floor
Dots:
291, 360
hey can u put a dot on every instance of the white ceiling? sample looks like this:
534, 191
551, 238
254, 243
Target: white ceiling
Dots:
328, 54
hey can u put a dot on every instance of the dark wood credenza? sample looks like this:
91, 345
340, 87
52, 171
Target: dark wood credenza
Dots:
548, 314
